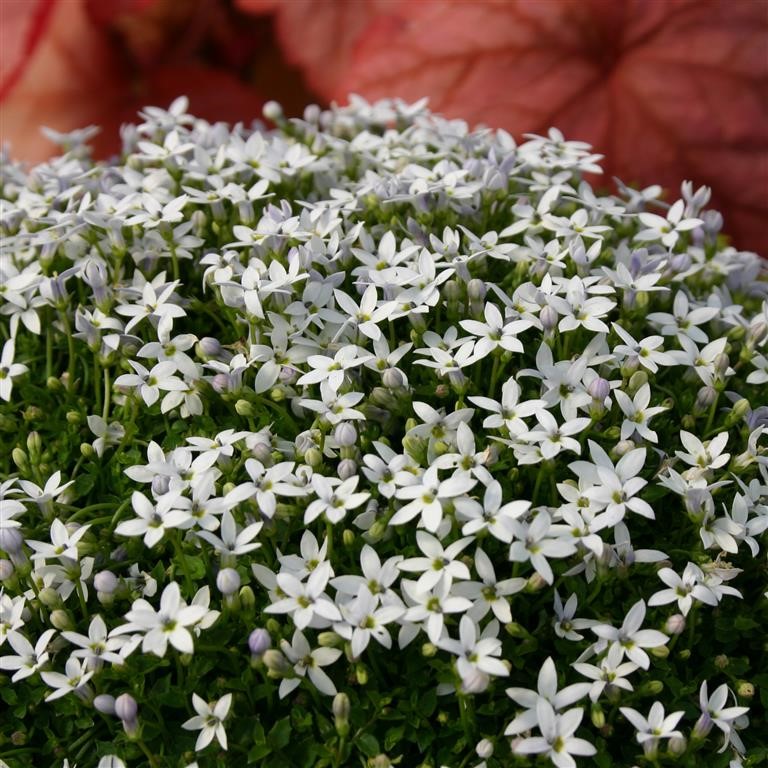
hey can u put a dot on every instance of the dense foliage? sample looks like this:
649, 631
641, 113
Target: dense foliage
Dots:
372, 440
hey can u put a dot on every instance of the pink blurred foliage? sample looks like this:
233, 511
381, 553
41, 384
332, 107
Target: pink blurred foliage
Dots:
666, 89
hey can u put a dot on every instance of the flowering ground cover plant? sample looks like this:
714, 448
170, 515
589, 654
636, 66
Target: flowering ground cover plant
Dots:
373, 440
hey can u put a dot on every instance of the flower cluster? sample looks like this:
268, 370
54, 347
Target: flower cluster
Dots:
371, 437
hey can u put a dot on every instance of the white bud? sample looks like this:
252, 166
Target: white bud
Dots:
228, 581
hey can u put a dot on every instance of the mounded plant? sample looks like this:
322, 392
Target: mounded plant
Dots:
369, 440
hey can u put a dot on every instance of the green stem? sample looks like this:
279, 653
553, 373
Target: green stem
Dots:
107, 394
70, 350
97, 382
145, 749
176, 540
81, 597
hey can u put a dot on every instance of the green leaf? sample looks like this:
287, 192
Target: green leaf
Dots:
367, 744
280, 734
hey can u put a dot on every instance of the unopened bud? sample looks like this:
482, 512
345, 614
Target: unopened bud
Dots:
259, 641
276, 663
484, 749
428, 650
341, 706
597, 715
548, 318
11, 540
208, 347
105, 581
651, 688
381, 761
476, 289
244, 408
630, 366
637, 380
345, 434
721, 661
599, 389
705, 398
313, 457
660, 651
361, 673
391, 378
228, 581
62, 620
126, 707
273, 111
105, 704
74, 417
87, 450
329, 639
677, 745
745, 689
348, 537
49, 597
6, 569
20, 459
247, 598
675, 624
34, 446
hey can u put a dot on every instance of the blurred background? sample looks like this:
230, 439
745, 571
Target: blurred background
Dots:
667, 90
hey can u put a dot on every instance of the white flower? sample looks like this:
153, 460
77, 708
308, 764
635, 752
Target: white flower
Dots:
75, 677
209, 720
683, 589
536, 543
473, 653
637, 414
656, 727
364, 619
557, 741
63, 544
28, 659
610, 672
647, 351
152, 520
8, 369
704, 455
309, 663
714, 712
666, 229
169, 624
630, 637
304, 601
335, 498
546, 690
438, 562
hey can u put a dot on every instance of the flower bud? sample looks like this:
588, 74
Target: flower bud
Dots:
348, 537
105, 704
126, 708
476, 289
599, 389
721, 661
34, 446
630, 366
329, 639
313, 457
62, 620
273, 111
345, 433
277, 394
221, 383
677, 745
548, 318
228, 581
705, 398
361, 673
391, 378
259, 641
11, 540
87, 450
651, 688
484, 749
6, 570
340, 707
637, 380
380, 761
660, 651
50, 598
745, 689
208, 347
105, 581
276, 663
675, 624
20, 459
428, 650
244, 408
247, 598
597, 715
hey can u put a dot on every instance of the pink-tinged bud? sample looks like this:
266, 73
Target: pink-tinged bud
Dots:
259, 641
221, 383
484, 749
675, 624
228, 581
272, 111
105, 704
208, 347
703, 726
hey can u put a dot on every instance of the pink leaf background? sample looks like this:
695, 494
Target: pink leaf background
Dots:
667, 90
